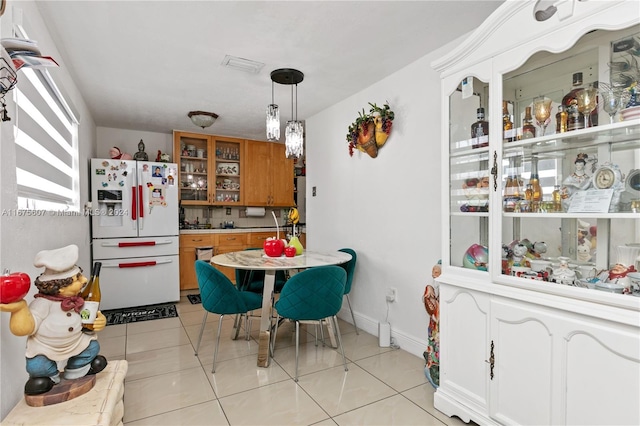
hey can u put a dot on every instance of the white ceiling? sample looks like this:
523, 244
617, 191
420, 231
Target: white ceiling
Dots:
143, 65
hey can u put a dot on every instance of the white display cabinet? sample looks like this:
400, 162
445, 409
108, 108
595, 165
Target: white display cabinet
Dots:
541, 339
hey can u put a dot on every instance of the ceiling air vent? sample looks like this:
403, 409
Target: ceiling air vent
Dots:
246, 65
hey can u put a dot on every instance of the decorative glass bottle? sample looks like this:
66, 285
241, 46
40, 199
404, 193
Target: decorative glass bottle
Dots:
507, 124
480, 131
528, 129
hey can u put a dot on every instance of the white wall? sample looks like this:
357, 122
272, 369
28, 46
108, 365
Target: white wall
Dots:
22, 237
386, 208
127, 141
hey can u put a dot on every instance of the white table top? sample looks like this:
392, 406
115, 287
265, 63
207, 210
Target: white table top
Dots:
256, 259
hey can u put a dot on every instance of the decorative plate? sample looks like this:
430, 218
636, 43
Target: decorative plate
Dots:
228, 169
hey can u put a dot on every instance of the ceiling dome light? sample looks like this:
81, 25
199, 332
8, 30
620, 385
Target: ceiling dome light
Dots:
202, 118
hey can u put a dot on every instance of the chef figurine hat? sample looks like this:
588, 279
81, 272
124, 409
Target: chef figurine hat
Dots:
59, 264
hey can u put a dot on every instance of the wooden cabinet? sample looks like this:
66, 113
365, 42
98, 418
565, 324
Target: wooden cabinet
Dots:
256, 239
210, 169
188, 245
518, 345
228, 242
268, 175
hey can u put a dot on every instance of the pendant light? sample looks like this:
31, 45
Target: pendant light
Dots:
294, 139
273, 119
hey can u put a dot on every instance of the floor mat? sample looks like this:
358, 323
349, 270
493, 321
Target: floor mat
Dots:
194, 298
140, 313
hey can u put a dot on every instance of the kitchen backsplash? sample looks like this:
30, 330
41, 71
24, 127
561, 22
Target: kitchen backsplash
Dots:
217, 215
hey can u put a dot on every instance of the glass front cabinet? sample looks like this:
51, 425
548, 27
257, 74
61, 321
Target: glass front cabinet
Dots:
540, 290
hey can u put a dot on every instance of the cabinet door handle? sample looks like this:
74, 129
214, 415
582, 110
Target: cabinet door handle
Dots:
492, 361
231, 239
195, 241
494, 171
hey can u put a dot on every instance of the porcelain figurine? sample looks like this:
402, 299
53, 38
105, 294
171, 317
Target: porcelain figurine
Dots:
519, 255
563, 274
53, 325
430, 298
117, 154
579, 180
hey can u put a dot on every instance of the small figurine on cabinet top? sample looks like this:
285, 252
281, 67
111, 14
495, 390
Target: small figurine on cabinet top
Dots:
53, 325
579, 180
141, 155
116, 154
431, 302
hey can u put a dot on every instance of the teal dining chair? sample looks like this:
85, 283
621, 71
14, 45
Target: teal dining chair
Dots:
220, 296
350, 267
312, 295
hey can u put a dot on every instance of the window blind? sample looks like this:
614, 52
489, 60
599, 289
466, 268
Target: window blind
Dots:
46, 145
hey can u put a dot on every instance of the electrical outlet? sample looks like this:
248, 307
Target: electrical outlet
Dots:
228, 211
391, 294
313, 191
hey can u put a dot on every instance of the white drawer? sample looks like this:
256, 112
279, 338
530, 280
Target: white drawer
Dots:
112, 248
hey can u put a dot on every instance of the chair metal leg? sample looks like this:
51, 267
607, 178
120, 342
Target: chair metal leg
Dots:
352, 316
237, 323
295, 379
247, 327
322, 331
215, 354
204, 321
339, 337
272, 340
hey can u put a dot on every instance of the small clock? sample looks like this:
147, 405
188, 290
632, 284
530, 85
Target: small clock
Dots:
606, 176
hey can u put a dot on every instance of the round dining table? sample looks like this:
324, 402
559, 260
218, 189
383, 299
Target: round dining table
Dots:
257, 260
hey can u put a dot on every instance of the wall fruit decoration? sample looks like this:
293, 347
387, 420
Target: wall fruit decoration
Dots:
371, 130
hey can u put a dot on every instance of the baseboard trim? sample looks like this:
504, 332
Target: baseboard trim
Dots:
406, 342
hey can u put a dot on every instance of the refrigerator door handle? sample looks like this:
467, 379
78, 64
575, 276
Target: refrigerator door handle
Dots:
136, 264
136, 244
134, 204
141, 206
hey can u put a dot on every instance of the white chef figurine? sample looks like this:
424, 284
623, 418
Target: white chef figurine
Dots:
563, 274
53, 326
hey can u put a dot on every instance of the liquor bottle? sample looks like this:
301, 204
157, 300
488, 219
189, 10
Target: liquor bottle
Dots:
480, 131
561, 119
91, 295
507, 124
512, 189
528, 198
528, 129
575, 119
557, 199
534, 181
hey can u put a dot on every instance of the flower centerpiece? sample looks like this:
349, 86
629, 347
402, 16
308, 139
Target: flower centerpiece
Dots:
370, 130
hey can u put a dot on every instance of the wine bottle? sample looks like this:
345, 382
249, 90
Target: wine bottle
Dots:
480, 131
575, 119
528, 129
507, 124
91, 295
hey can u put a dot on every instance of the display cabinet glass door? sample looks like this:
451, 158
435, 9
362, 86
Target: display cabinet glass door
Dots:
194, 168
586, 215
469, 174
228, 164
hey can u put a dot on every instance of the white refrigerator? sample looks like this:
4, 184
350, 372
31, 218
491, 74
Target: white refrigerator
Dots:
134, 223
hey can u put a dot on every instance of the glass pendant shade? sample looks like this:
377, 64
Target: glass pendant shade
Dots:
202, 118
294, 141
273, 123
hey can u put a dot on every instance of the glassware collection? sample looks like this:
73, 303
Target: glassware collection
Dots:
551, 183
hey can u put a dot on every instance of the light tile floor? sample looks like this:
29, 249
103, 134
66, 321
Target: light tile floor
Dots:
167, 385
